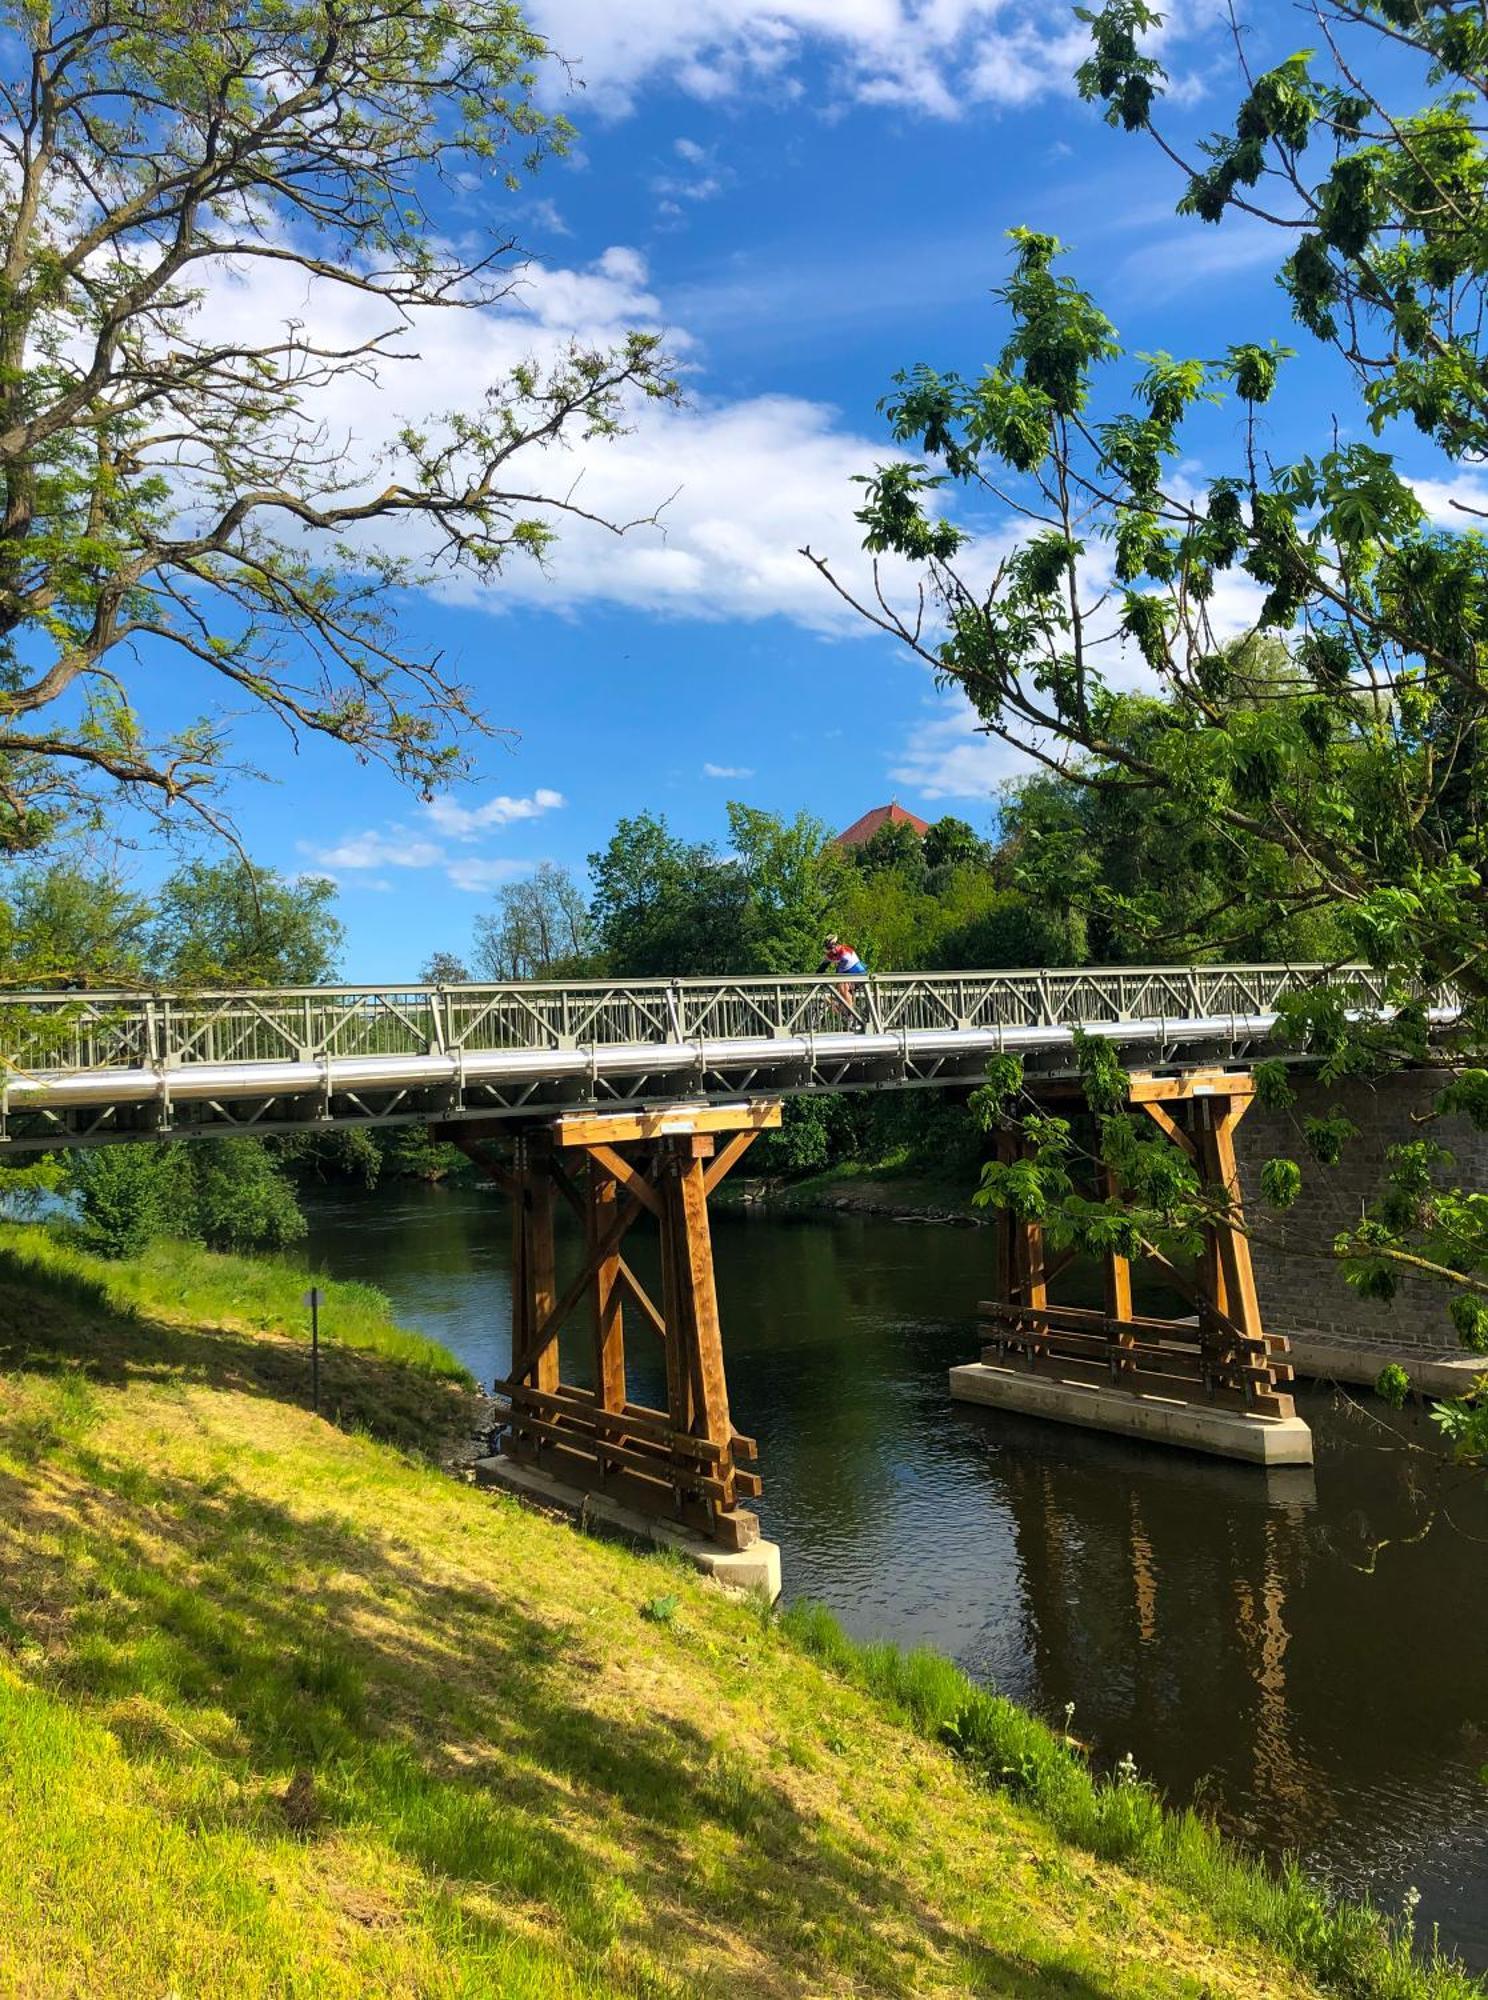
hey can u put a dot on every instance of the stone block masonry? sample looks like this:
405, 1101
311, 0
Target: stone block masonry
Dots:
1301, 1287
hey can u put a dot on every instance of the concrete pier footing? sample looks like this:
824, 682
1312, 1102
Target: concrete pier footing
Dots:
755, 1569
1441, 1372
1225, 1433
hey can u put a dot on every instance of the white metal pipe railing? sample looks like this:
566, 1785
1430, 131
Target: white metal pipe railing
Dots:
138, 1084
46, 1034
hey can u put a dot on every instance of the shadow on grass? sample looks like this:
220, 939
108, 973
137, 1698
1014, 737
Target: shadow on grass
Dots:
61, 1321
280, 1675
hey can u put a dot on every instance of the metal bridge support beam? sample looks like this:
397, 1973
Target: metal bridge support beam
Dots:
685, 1463
1213, 1380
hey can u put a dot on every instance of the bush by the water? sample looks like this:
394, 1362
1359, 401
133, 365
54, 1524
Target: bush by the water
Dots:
230, 1194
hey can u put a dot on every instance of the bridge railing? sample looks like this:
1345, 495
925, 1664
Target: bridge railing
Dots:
57, 1033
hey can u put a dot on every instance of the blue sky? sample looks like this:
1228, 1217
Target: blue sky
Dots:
805, 196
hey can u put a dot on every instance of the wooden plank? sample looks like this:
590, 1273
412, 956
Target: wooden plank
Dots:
639, 1297
542, 1275
1170, 1126
608, 1451
521, 1291
1198, 1083
695, 1251
482, 1157
1234, 1244
1118, 1284
729, 1158
1133, 1381
732, 1528
1182, 1281
676, 1303
606, 1305
1055, 1267
1183, 1357
626, 1214
619, 1128
633, 1421
1091, 1316
630, 1178
1181, 1362
563, 1180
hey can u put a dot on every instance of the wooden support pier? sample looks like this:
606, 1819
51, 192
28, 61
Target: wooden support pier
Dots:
1212, 1379
684, 1464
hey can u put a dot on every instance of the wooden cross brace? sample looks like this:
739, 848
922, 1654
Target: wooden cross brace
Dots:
1225, 1351
611, 1170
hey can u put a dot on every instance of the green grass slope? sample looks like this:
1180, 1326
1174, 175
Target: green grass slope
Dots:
286, 1710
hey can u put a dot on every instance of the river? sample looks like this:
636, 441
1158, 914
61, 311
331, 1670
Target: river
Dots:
1240, 1632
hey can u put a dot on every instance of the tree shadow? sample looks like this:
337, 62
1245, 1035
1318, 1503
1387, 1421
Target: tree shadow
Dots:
341, 1687
63, 1322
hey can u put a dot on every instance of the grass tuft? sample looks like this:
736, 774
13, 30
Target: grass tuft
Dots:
1350, 1948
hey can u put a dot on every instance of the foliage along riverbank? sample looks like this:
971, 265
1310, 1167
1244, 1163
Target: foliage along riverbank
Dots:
891, 1192
284, 1708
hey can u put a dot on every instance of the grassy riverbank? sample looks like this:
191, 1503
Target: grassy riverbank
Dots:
286, 1710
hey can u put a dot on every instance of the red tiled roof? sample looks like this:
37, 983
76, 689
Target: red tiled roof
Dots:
865, 828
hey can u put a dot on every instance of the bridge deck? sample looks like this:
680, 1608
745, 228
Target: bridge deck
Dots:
86, 1068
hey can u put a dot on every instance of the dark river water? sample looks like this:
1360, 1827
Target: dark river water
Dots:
1221, 1623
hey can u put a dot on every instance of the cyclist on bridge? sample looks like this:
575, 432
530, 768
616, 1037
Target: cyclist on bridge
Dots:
842, 960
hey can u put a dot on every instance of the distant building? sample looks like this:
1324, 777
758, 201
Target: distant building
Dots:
893, 814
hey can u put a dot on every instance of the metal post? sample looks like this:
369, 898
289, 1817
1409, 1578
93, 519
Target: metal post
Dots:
312, 1299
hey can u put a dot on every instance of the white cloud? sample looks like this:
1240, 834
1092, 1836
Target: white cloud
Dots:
459, 822
936, 57
1180, 258
1452, 503
548, 216
699, 179
475, 873
392, 847
950, 756
721, 495
727, 771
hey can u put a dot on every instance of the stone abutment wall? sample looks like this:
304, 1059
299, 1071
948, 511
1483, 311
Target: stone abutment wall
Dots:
1301, 1287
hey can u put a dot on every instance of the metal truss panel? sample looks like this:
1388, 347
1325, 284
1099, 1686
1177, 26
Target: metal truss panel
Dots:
92, 1068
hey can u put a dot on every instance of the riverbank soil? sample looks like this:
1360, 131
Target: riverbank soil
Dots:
284, 1710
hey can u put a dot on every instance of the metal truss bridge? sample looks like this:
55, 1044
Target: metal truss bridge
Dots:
86, 1068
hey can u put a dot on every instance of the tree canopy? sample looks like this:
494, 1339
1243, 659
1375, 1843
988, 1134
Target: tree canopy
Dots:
538, 930
168, 476
1314, 770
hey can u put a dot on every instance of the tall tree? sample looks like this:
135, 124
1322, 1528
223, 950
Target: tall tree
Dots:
222, 923
951, 843
538, 930
665, 905
1365, 154
792, 877
1332, 785
169, 477
444, 968
71, 924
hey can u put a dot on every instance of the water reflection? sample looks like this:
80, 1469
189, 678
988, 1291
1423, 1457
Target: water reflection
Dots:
1219, 1622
